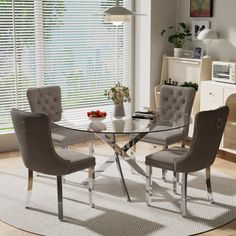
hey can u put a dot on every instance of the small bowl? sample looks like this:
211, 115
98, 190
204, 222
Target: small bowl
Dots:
96, 119
98, 126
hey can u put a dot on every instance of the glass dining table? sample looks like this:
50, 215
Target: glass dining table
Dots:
108, 130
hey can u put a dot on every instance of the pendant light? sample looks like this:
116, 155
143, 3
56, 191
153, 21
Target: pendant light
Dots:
118, 14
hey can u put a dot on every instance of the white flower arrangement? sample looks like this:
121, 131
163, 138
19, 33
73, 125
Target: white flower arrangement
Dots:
118, 94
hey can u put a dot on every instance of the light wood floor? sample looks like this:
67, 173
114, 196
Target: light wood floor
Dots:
225, 162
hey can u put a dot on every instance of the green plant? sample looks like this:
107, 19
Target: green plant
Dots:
118, 94
179, 36
190, 84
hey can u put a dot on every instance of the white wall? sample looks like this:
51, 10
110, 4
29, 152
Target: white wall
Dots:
142, 53
150, 46
223, 21
162, 16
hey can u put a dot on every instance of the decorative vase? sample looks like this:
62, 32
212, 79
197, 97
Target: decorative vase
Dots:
178, 52
119, 110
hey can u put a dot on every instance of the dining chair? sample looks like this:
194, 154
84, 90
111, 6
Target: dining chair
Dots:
208, 130
34, 138
47, 99
174, 102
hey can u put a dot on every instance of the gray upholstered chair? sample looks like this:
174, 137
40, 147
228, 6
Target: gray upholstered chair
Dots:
174, 101
47, 100
38, 153
208, 129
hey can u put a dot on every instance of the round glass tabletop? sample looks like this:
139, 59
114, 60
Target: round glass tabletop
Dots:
124, 125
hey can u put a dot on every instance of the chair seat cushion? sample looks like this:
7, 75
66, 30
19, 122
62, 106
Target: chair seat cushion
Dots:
164, 138
166, 158
62, 136
78, 161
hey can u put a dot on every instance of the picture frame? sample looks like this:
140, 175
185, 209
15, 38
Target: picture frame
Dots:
198, 26
198, 52
201, 8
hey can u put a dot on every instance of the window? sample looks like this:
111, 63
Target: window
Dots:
63, 42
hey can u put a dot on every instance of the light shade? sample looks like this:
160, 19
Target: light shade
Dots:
117, 15
207, 34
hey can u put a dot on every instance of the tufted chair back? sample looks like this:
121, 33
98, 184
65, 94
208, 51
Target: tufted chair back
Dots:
46, 100
176, 101
34, 138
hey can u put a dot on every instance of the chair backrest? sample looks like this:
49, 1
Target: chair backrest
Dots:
46, 100
176, 101
35, 143
208, 130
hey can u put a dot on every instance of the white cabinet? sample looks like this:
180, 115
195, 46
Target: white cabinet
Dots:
214, 95
211, 96
183, 70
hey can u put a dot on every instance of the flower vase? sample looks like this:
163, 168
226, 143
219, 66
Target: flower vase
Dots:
119, 110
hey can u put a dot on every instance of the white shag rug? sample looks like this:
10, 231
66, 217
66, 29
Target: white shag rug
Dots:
112, 214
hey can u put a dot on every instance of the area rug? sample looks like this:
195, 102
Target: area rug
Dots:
112, 214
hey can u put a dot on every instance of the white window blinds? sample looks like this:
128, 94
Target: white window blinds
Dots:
17, 56
63, 42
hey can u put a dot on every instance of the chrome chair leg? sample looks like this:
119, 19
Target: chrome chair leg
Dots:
177, 177
91, 148
133, 156
60, 197
164, 171
208, 184
30, 187
148, 185
164, 174
91, 185
174, 182
184, 195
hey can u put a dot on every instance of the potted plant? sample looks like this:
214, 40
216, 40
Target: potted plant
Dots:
118, 94
178, 36
190, 84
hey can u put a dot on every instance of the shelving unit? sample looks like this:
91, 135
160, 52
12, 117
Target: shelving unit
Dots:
214, 95
185, 70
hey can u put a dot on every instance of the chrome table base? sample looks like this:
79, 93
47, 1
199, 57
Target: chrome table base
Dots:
110, 139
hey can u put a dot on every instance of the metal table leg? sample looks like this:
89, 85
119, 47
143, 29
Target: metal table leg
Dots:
120, 152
